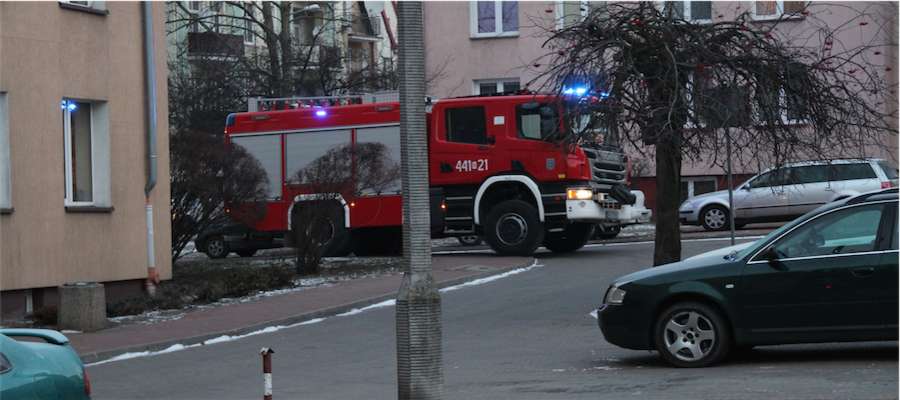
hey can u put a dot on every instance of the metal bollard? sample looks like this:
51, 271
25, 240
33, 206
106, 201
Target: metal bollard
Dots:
267, 372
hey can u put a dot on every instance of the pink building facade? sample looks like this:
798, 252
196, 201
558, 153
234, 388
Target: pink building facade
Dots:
486, 47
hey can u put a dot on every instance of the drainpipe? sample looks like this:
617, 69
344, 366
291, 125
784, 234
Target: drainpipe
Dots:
150, 101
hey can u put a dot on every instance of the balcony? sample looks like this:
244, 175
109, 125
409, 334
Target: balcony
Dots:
215, 44
365, 29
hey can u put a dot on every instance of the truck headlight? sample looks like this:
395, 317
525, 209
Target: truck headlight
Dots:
614, 295
580, 194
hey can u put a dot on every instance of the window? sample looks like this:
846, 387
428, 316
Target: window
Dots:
193, 6
889, 170
808, 174
763, 10
390, 160
267, 150
537, 121
688, 10
570, 12
492, 86
718, 105
851, 230
783, 97
86, 145
5, 174
691, 187
772, 178
846, 172
302, 149
5, 365
494, 18
98, 7
248, 31
466, 125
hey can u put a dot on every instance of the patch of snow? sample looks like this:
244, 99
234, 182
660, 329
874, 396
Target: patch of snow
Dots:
69, 331
559, 370
492, 278
593, 314
386, 303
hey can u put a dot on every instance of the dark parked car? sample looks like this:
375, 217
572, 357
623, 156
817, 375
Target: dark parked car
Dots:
226, 236
828, 276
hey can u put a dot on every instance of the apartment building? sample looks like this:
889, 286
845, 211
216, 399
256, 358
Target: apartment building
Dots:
483, 47
350, 41
73, 150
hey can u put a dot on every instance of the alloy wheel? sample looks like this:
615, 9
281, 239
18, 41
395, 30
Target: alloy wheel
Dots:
689, 336
715, 218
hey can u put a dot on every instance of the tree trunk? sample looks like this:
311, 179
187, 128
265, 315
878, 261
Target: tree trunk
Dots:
271, 46
667, 246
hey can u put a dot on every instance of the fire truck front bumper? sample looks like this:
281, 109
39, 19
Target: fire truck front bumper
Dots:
608, 211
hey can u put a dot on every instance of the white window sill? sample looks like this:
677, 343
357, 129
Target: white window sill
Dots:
768, 18
89, 10
494, 35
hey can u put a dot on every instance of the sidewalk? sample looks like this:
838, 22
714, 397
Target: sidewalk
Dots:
236, 319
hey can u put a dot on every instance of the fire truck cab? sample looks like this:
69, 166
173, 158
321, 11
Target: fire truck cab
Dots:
497, 168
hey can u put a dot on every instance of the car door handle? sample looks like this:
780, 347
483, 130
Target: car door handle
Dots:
483, 147
862, 272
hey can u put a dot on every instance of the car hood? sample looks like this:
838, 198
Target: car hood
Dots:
704, 260
716, 194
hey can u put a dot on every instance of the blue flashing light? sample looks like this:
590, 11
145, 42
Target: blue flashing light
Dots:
568, 91
68, 105
603, 95
321, 113
580, 91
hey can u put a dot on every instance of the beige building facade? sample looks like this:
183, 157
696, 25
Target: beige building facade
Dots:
73, 148
486, 47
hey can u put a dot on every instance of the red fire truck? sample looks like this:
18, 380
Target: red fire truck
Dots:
497, 169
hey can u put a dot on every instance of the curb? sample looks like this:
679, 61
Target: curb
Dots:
96, 356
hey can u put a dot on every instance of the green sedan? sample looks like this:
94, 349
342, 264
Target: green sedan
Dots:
828, 276
40, 365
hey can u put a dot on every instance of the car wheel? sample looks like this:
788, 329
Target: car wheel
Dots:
607, 232
246, 253
513, 228
469, 240
573, 238
216, 247
692, 335
714, 218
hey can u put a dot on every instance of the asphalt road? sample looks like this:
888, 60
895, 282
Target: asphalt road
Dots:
528, 336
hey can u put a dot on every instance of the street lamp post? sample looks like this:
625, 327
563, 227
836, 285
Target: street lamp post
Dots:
419, 371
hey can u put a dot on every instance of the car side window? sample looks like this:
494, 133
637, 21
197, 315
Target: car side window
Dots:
466, 125
769, 179
808, 174
537, 122
851, 230
846, 172
5, 365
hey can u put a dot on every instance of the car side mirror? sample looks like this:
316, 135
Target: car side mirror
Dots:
771, 255
745, 187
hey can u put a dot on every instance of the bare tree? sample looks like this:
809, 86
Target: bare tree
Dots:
317, 221
297, 51
778, 92
206, 175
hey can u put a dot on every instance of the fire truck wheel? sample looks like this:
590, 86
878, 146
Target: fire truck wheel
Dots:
573, 238
339, 244
513, 228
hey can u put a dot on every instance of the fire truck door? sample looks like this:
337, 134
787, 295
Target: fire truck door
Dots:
464, 151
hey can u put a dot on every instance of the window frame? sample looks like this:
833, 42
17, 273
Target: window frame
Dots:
584, 7
67, 157
686, 10
498, 22
92, 6
779, 12
5, 154
498, 83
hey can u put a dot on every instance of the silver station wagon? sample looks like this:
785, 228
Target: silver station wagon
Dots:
782, 194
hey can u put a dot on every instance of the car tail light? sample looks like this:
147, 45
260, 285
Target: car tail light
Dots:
887, 185
87, 383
